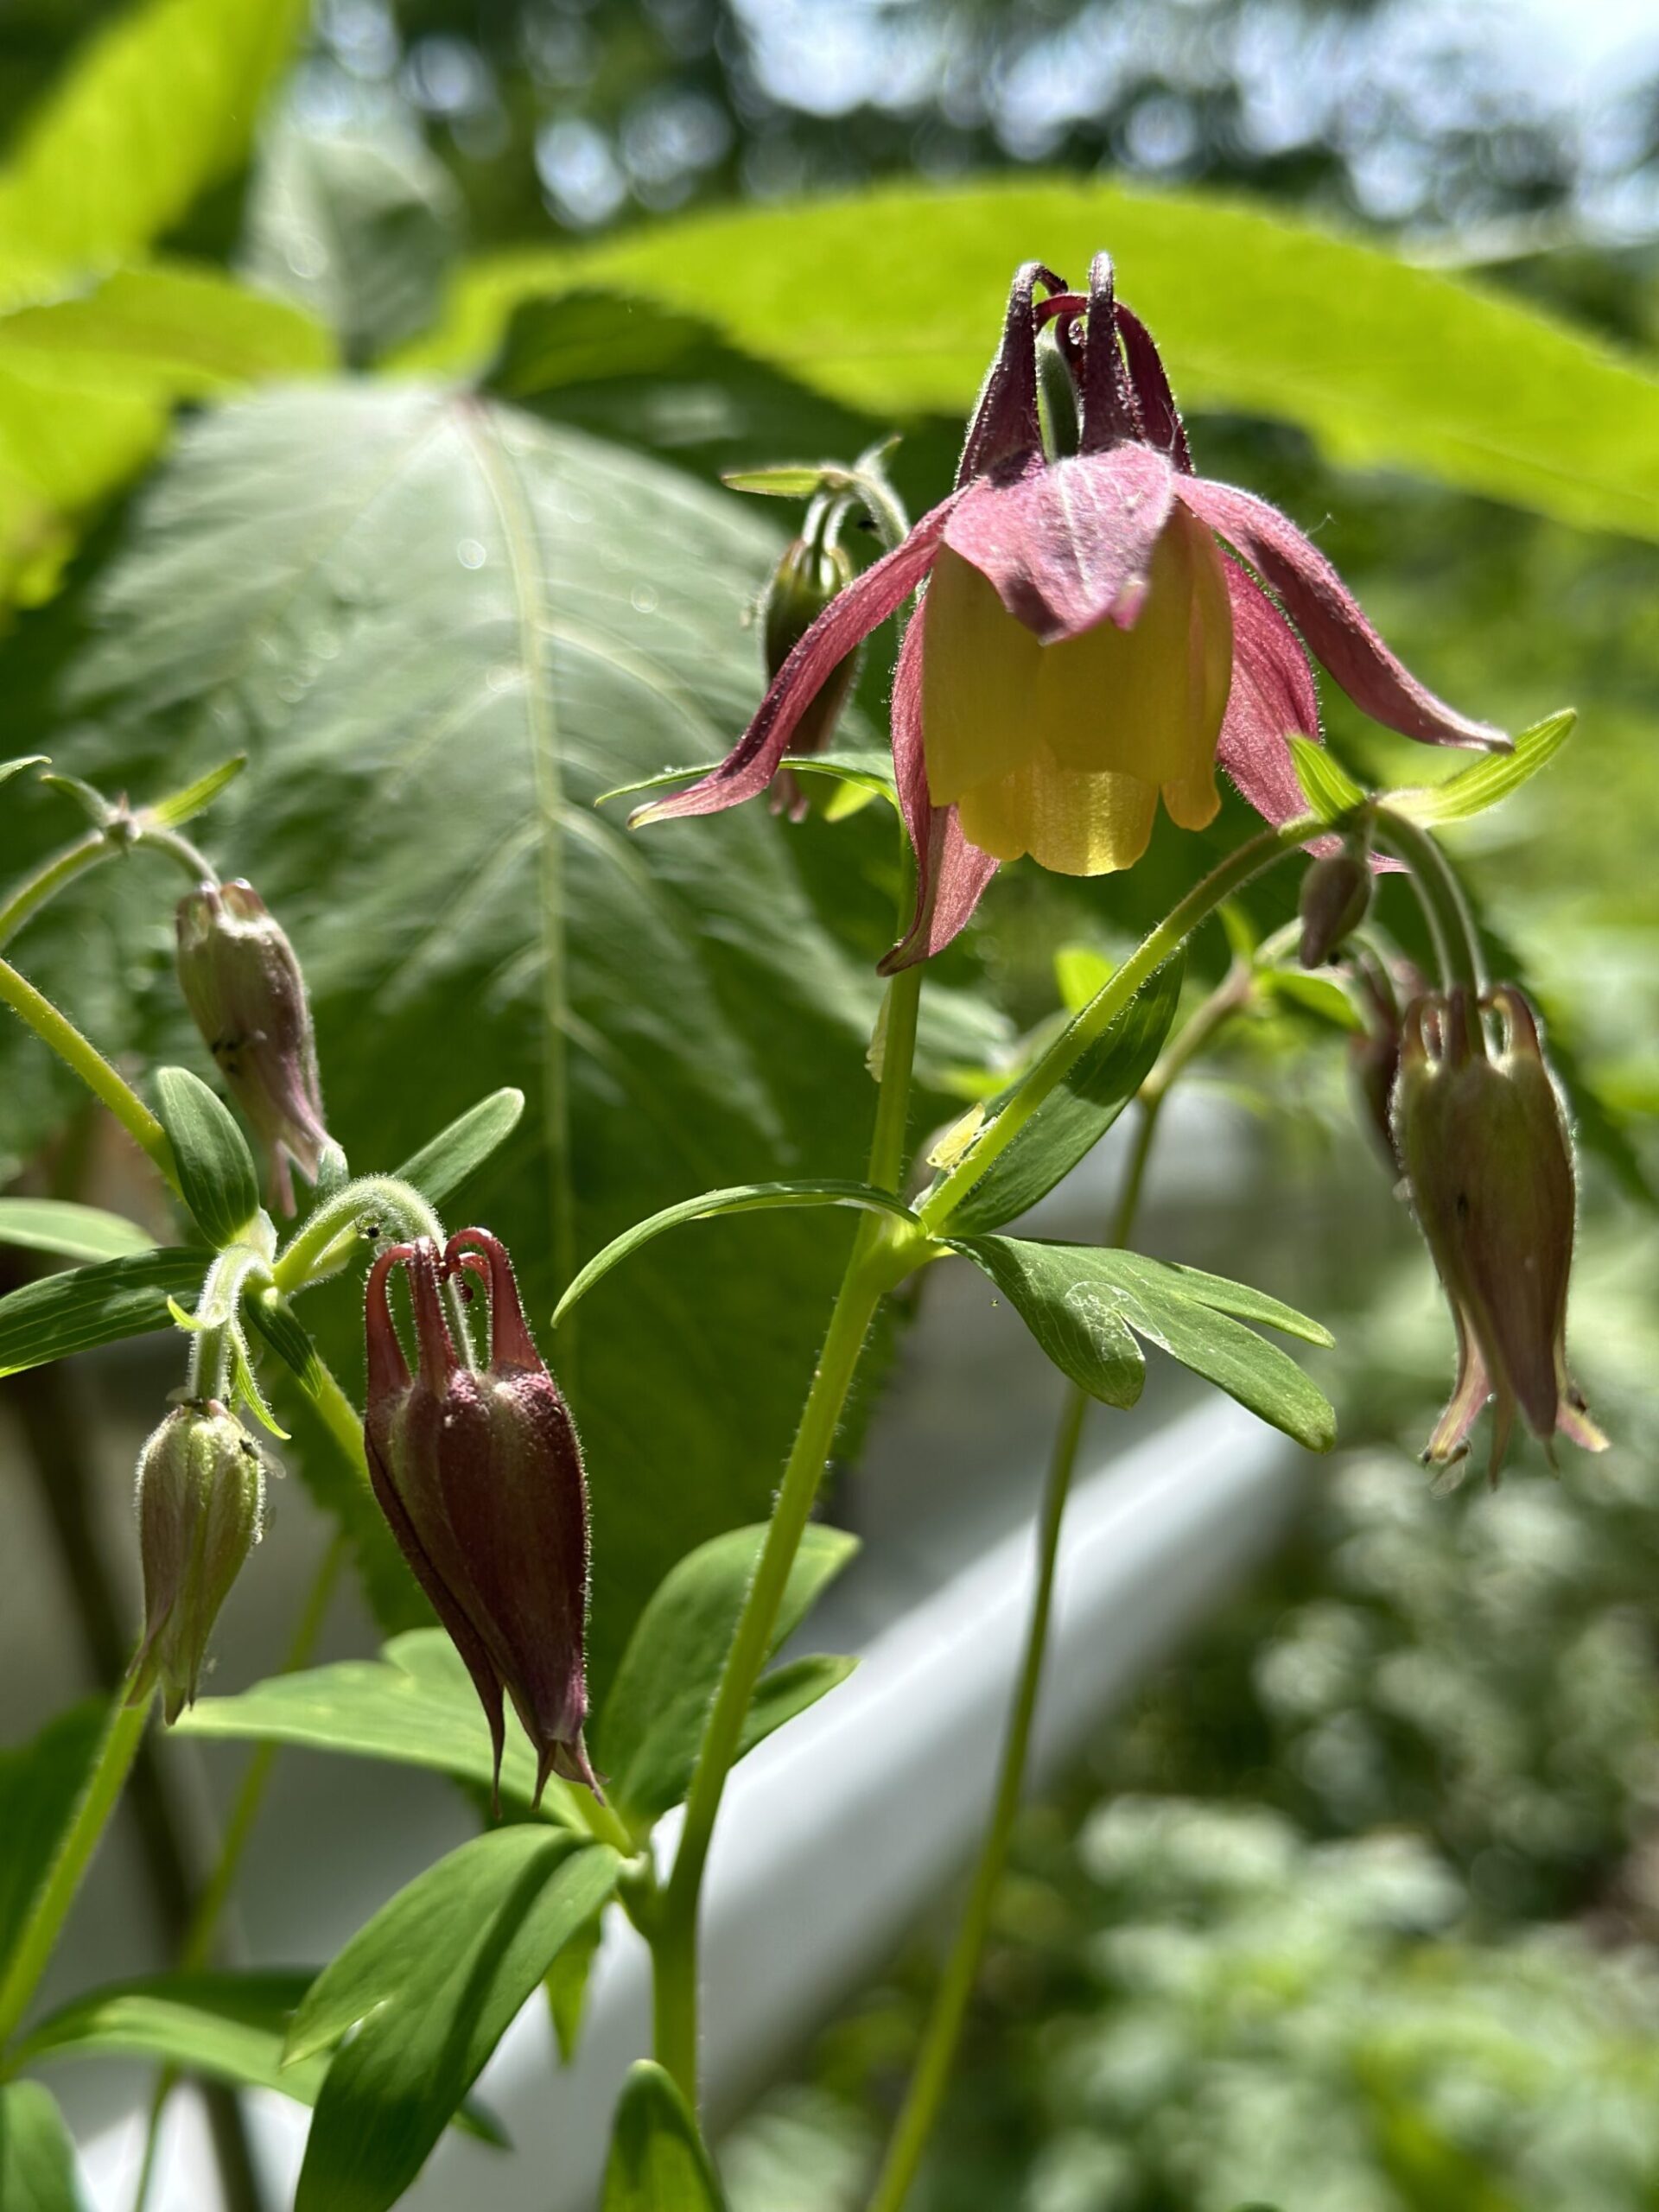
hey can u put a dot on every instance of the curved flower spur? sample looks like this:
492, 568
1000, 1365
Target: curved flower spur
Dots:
479, 1473
1098, 631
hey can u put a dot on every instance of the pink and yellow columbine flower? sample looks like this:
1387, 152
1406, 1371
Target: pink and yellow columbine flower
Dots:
1098, 632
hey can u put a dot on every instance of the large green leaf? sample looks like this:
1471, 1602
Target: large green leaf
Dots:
431, 1984
74, 1232
891, 301
169, 329
85, 1306
657, 2161
1086, 1307
37, 2159
645, 1740
40, 1783
439, 629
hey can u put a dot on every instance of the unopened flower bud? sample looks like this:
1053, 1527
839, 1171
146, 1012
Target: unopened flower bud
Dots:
1336, 898
1490, 1165
1374, 1051
805, 581
201, 1502
479, 1473
243, 984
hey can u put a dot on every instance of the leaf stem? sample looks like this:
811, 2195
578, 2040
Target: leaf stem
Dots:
135, 832
869, 1272
1440, 896
78, 1053
98, 1798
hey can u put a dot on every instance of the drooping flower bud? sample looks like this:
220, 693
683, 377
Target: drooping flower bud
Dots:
202, 1503
479, 1473
243, 984
1374, 1051
1490, 1164
1335, 899
810, 574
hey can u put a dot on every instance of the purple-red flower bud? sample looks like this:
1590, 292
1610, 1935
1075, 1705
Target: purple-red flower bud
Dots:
243, 984
479, 1473
806, 579
201, 1499
1490, 1164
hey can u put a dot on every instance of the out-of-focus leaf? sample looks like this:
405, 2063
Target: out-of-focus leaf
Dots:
359, 225
168, 329
449, 628
1075, 1116
1086, 1306
37, 2156
1485, 782
657, 2161
40, 1782
461, 1150
10, 768
645, 1740
74, 1232
84, 1306
1316, 994
216, 1176
1383, 363
431, 1984
184, 805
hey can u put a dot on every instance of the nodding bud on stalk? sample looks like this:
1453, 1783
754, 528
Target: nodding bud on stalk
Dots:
243, 984
1490, 1165
201, 1504
810, 574
1336, 899
479, 1473
1374, 1051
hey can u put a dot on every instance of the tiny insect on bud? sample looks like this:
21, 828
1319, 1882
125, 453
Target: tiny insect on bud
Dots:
1336, 899
242, 983
1490, 1166
806, 579
479, 1473
202, 1503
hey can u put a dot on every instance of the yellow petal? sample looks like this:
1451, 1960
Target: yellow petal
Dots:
979, 674
1075, 822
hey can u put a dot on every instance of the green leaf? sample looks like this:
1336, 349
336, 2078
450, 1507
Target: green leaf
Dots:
644, 1742
1489, 780
1080, 972
864, 767
1073, 1118
1383, 364
431, 1984
37, 2156
359, 225
154, 108
40, 1783
1086, 1307
84, 1306
566, 1983
1330, 790
776, 483
657, 2161
415, 1705
10, 768
183, 806
1316, 994
486, 622
217, 1175
741, 1198
441, 1167
75, 1232
228, 2026
170, 330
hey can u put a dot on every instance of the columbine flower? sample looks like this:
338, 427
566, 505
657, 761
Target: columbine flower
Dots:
201, 1499
242, 982
1092, 636
479, 1473
1490, 1165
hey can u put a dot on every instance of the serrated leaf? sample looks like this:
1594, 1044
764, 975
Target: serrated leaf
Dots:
408, 584
40, 1782
644, 1742
1489, 781
1331, 792
432, 1984
37, 2155
1086, 1306
709, 1205
1077, 1113
415, 1705
84, 1306
1256, 313
72, 1231
657, 2161
442, 1166
216, 1176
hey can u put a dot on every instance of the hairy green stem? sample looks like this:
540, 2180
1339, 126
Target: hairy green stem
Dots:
77, 1053
325, 1243
1456, 945
942, 2034
98, 1798
96, 846
869, 1272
